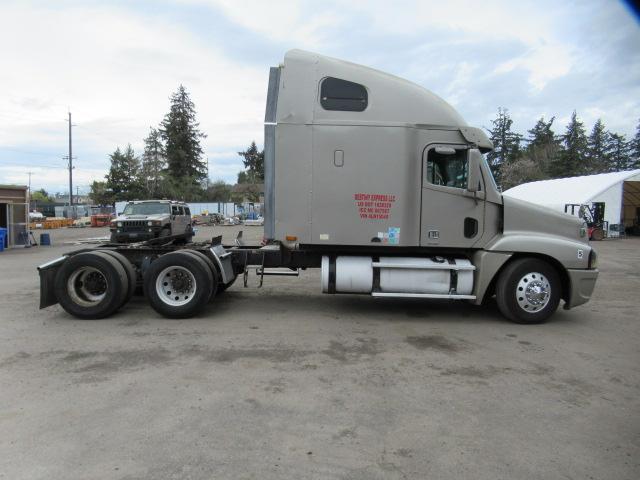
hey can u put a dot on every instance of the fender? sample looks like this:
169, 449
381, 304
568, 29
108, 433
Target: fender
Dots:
570, 254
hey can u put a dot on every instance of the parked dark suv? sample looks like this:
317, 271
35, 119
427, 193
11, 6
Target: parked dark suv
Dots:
146, 219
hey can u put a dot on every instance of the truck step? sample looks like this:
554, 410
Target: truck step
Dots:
423, 295
282, 272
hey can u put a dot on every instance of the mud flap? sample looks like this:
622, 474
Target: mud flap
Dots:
47, 274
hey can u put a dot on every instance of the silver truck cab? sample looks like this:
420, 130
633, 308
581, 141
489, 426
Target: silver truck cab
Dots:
146, 219
359, 159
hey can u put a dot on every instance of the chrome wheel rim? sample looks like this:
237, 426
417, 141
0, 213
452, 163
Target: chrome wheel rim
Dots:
533, 292
87, 286
175, 286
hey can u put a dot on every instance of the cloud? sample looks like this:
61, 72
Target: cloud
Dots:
115, 65
287, 21
115, 70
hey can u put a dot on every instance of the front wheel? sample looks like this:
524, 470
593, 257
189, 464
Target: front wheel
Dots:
528, 291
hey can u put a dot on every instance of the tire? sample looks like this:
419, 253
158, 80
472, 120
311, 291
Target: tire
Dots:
521, 305
165, 232
215, 283
597, 234
102, 297
113, 238
193, 279
132, 276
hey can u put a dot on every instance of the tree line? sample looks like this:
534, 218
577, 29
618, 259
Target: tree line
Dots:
543, 154
172, 165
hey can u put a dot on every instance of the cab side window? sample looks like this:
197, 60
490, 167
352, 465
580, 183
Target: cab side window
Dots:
448, 169
187, 211
343, 95
175, 210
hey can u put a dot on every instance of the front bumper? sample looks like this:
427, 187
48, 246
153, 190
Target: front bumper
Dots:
581, 285
136, 235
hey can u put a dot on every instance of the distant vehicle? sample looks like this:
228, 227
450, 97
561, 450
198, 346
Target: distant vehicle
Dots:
231, 221
36, 216
147, 219
254, 222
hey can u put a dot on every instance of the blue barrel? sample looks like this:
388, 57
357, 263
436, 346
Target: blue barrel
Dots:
45, 239
3, 237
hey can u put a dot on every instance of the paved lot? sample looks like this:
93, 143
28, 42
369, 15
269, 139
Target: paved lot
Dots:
285, 382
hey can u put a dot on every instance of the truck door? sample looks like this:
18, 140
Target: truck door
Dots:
451, 216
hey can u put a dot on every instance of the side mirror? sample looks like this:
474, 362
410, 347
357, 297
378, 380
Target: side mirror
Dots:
473, 178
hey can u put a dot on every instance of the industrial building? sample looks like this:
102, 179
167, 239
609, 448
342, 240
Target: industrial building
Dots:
618, 191
14, 213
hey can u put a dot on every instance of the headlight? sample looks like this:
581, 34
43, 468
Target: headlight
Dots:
149, 223
119, 224
593, 259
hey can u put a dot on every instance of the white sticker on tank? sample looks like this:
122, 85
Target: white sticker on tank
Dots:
324, 236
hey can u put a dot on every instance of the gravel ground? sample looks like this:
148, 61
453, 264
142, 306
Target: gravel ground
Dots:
284, 382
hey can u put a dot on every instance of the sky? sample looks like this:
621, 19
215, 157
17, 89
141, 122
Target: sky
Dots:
114, 65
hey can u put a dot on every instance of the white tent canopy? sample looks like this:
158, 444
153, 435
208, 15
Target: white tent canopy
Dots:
604, 187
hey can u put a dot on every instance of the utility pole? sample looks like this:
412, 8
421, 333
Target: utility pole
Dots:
29, 193
70, 166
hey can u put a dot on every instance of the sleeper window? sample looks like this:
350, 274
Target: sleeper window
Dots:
342, 95
448, 170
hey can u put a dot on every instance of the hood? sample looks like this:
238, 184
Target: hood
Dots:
522, 216
156, 216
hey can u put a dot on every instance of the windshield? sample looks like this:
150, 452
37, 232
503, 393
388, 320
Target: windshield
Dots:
146, 208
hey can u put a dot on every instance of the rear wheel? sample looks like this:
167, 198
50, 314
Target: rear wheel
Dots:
215, 284
528, 291
132, 276
178, 285
91, 285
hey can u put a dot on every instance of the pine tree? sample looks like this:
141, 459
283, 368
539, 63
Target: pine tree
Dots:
506, 143
541, 134
123, 177
618, 151
253, 163
597, 161
635, 148
572, 160
153, 163
181, 136
543, 148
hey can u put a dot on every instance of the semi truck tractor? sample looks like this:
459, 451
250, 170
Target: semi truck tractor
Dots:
378, 183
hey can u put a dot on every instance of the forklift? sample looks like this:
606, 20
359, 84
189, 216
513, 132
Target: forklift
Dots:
592, 216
